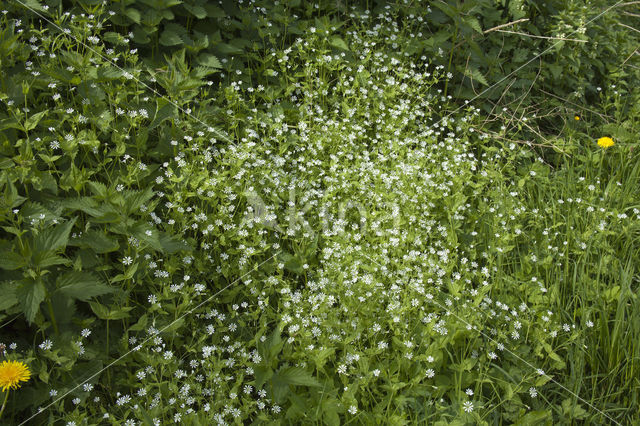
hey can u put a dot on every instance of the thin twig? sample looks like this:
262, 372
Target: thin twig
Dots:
505, 25
631, 14
631, 3
629, 57
627, 26
544, 37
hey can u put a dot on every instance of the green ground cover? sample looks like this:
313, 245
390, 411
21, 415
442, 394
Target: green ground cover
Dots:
289, 212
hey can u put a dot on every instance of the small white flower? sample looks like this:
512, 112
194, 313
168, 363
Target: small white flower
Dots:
468, 406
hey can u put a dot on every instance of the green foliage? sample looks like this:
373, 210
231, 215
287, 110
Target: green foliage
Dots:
284, 212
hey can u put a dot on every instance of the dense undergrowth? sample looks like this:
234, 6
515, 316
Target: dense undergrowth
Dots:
277, 212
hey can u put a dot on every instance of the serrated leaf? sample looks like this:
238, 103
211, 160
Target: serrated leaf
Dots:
109, 72
209, 60
164, 113
8, 299
133, 200
30, 294
11, 260
169, 38
171, 243
99, 241
339, 43
104, 313
474, 74
51, 239
82, 285
296, 376
473, 23
197, 11
133, 14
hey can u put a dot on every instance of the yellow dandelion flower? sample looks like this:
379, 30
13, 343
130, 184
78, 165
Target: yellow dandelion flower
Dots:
12, 373
577, 118
605, 142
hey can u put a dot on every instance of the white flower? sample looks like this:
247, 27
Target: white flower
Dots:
533, 392
353, 409
468, 406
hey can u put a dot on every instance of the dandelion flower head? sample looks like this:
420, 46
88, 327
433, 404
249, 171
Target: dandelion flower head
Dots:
605, 142
12, 373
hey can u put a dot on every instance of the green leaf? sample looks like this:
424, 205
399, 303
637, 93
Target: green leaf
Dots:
99, 241
170, 38
12, 260
133, 14
109, 72
33, 121
30, 294
172, 243
209, 60
473, 23
296, 376
165, 112
82, 285
197, 11
339, 43
474, 74
51, 239
533, 418
8, 292
104, 313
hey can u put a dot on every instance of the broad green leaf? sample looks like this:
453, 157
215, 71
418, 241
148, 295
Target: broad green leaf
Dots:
30, 293
33, 120
339, 43
196, 10
133, 200
82, 285
209, 60
534, 418
297, 376
55, 238
170, 38
109, 72
474, 74
10, 260
133, 14
105, 313
8, 292
172, 243
99, 241
164, 113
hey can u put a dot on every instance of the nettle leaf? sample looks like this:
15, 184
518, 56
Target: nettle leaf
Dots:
172, 35
165, 112
8, 292
30, 293
209, 60
109, 72
133, 200
55, 238
339, 43
133, 14
296, 376
105, 313
197, 11
11, 260
99, 241
172, 243
82, 285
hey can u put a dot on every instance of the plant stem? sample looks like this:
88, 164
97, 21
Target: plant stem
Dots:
5, 402
453, 46
53, 317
